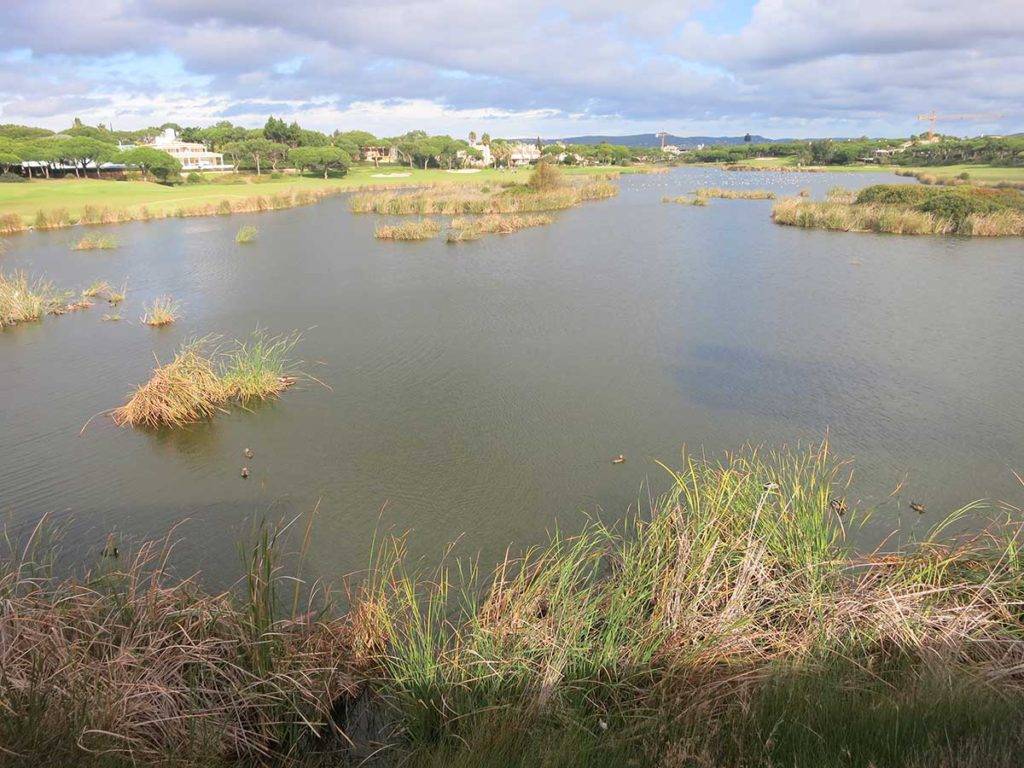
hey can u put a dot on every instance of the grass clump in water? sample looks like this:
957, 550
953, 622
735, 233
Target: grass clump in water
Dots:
258, 369
95, 243
464, 228
24, 300
685, 200
161, 312
736, 194
246, 234
418, 229
185, 390
204, 378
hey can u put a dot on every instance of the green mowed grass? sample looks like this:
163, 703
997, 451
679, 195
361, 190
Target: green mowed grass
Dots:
74, 194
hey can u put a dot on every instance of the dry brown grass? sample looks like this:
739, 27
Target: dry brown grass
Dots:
417, 229
133, 663
11, 223
464, 229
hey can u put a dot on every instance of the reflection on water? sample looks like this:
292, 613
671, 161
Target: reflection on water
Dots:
481, 389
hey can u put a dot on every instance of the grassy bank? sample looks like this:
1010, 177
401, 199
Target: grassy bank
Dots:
64, 202
912, 210
977, 174
731, 625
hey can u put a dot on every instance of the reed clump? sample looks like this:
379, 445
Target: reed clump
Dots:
24, 300
161, 312
416, 229
515, 198
733, 620
11, 223
685, 200
103, 290
463, 229
246, 234
735, 194
96, 243
205, 377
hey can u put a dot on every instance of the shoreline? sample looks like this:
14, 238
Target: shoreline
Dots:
733, 608
64, 203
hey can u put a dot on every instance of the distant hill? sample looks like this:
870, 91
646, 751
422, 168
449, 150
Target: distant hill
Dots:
652, 140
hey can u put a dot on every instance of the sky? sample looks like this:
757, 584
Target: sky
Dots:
779, 68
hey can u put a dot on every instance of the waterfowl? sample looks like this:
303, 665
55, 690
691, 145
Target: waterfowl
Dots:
838, 506
245, 472
248, 453
110, 548
917, 507
620, 459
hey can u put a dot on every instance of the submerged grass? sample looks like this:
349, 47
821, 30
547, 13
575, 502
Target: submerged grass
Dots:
203, 378
418, 229
161, 312
246, 234
732, 624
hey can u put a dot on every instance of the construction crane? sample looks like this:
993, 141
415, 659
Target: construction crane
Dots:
662, 135
931, 118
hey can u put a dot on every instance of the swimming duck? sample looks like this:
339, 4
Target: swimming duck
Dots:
110, 548
245, 472
838, 506
620, 459
917, 507
248, 453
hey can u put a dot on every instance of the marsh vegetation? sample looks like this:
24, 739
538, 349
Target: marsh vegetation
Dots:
162, 311
731, 622
205, 376
912, 210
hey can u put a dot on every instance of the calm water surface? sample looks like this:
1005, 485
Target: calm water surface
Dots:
479, 390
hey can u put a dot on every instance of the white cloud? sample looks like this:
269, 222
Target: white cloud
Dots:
796, 67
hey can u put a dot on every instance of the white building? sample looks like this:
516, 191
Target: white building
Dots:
193, 156
524, 154
485, 160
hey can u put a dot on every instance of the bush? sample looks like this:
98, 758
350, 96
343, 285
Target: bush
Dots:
12, 178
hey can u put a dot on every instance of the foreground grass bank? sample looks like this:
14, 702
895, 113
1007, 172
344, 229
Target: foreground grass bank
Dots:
912, 210
731, 625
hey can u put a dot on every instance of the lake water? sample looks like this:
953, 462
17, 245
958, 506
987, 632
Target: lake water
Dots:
479, 390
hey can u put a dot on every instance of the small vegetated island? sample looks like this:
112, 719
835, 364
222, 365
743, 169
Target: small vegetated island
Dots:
483, 209
912, 210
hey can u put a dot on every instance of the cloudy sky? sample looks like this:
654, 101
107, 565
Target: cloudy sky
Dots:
549, 67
